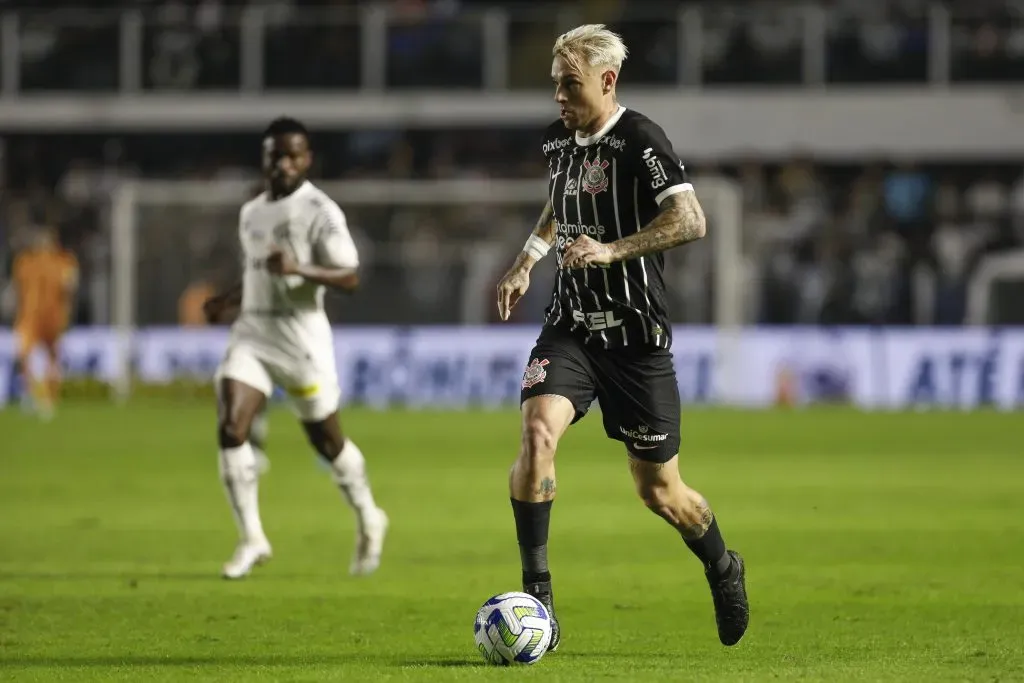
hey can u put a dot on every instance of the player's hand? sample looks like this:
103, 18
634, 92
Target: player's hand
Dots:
220, 309
281, 263
213, 309
511, 289
586, 251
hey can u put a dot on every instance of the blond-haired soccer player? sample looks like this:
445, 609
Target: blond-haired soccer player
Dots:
618, 198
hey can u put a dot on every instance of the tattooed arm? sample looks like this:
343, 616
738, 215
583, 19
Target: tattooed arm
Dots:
517, 280
681, 220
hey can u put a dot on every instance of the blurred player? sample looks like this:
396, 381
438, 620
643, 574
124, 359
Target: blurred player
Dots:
45, 278
296, 242
619, 197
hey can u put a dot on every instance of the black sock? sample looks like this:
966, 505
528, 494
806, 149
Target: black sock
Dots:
532, 522
710, 549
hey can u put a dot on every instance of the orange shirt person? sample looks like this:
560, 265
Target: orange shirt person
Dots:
45, 279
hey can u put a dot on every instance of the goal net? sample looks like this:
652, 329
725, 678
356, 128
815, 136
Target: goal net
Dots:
431, 252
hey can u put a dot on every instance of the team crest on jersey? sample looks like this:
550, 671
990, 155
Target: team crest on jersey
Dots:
594, 178
535, 373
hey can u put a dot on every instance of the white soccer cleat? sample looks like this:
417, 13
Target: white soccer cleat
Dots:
247, 556
369, 545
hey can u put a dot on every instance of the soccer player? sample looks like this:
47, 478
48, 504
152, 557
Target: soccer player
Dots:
45, 279
295, 242
618, 198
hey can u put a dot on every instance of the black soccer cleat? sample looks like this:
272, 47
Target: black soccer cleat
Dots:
542, 591
729, 592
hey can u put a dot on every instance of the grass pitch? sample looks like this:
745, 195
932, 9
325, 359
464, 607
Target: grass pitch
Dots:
879, 547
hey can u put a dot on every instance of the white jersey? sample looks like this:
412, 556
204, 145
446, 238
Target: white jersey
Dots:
288, 311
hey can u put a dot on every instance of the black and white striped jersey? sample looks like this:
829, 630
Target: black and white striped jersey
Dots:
608, 186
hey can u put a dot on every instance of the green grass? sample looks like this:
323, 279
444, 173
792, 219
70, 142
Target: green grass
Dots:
879, 547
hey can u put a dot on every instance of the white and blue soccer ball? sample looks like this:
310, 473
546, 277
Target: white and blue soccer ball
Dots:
512, 628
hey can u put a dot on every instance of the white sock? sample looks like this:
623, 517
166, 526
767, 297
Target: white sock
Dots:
239, 473
349, 471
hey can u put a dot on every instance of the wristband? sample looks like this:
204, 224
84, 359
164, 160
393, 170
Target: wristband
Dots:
536, 247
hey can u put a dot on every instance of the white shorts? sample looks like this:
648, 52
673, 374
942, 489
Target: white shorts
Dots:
309, 379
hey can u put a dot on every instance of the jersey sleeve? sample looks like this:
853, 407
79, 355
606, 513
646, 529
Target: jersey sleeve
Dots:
333, 246
660, 171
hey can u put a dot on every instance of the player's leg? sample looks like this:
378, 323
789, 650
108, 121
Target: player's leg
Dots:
259, 430
663, 491
25, 341
348, 469
258, 433
557, 390
242, 387
640, 401
50, 389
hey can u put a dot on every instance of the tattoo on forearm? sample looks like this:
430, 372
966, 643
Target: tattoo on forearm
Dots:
692, 530
547, 488
681, 220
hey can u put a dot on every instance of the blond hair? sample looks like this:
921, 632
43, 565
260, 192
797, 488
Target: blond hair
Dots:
591, 45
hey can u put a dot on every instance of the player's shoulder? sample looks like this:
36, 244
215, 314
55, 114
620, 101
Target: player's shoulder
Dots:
317, 198
556, 138
253, 205
319, 204
635, 124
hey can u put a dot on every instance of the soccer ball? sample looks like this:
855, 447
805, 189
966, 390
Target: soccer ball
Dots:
512, 628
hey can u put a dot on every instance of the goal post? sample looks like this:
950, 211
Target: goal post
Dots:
157, 225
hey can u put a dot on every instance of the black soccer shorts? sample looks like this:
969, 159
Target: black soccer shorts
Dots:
637, 389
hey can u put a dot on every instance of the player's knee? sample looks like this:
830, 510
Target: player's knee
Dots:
231, 433
327, 442
678, 505
658, 485
656, 495
539, 442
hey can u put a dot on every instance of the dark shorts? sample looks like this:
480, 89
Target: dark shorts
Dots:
637, 389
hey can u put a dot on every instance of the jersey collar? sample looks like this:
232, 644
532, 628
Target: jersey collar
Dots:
301, 189
585, 141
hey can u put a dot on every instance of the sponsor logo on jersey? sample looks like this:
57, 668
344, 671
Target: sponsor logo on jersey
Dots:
555, 145
571, 188
579, 229
596, 321
642, 434
595, 180
658, 175
614, 142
